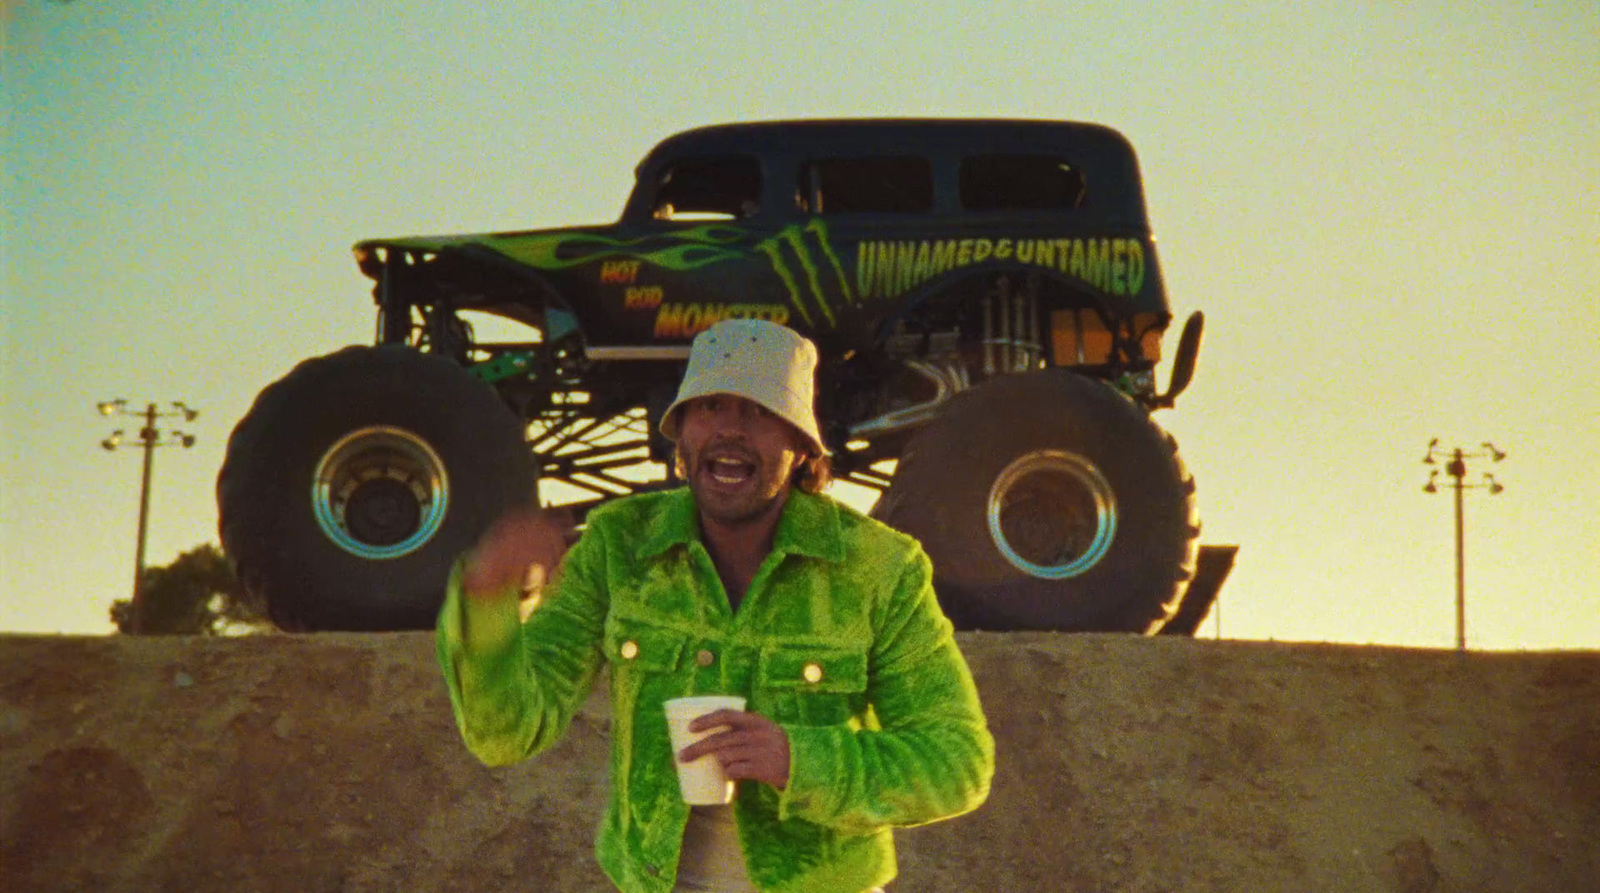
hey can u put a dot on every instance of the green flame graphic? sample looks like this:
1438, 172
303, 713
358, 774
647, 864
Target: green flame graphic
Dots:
681, 250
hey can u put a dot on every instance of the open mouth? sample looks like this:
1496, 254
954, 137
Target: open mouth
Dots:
729, 471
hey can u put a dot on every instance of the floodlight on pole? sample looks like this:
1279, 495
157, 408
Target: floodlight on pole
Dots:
149, 438
1456, 468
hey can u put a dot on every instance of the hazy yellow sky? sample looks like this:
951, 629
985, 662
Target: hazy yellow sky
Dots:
1390, 214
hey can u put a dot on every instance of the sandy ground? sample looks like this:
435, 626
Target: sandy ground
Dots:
330, 763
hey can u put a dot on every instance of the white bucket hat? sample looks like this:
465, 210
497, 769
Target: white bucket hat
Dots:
758, 360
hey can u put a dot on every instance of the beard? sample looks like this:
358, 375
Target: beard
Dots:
732, 484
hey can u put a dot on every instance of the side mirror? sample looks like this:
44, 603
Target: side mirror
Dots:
1184, 362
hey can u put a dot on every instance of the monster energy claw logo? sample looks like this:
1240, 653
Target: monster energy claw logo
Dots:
792, 241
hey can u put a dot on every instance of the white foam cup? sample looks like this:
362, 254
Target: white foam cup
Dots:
702, 781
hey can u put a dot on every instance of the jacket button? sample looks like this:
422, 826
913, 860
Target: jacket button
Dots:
630, 650
705, 658
813, 673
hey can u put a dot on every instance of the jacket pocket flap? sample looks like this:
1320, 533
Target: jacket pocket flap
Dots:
814, 669
643, 645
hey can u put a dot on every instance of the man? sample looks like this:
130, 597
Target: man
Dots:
862, 714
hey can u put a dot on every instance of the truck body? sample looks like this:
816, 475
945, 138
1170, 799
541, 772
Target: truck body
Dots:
982, 292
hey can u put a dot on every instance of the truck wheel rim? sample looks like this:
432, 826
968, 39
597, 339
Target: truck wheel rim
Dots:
380, 493
1052, 514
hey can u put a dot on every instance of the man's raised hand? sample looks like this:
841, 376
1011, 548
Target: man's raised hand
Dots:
520, 539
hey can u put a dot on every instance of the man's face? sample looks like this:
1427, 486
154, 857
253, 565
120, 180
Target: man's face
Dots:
737, 457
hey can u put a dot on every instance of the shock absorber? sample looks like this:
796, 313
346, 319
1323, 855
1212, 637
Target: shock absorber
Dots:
988, 336
1010, 330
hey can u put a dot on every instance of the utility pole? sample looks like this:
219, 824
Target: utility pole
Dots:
148, 439
1456, 468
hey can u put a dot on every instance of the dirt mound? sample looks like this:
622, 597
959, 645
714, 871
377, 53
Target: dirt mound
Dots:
329, 762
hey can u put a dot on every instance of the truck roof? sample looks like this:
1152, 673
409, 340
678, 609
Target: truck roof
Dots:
832, 135
1103, 155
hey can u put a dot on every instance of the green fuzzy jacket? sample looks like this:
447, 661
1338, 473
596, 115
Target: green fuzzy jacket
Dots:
839, 640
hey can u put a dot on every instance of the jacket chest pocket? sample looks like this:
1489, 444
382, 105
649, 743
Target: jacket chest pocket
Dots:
641, 652
813, 686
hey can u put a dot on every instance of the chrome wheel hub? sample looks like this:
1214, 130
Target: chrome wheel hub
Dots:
380, 492
1052, 514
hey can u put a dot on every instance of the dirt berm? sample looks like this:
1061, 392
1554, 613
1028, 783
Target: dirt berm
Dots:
330, 763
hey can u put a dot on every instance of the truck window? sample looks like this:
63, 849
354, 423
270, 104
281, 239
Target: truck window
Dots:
708, 189
899, 184
1020, 183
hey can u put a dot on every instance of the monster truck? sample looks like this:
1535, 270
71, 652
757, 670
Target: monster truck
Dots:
986, 299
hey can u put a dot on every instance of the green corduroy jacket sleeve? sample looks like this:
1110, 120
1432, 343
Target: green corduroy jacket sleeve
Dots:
515, 686
931, 755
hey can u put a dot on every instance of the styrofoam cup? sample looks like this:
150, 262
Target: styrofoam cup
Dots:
702, 781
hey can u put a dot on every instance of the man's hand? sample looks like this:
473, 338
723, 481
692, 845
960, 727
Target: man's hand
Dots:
752, 747
520, 539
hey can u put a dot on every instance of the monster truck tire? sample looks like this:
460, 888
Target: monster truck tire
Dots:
354, 481
1048, 501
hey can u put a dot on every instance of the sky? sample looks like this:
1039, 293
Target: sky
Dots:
1389, 213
